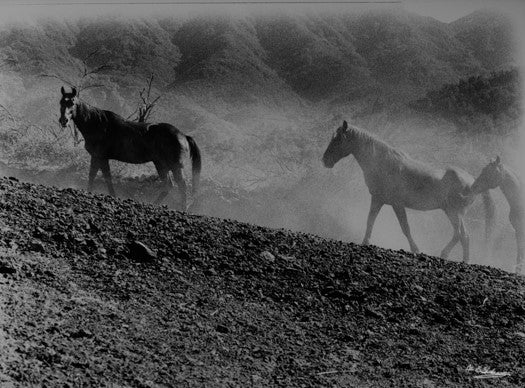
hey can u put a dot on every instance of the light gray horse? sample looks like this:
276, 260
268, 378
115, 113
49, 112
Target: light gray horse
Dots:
496, 174
394, 178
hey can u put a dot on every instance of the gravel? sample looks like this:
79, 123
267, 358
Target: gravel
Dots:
97, 291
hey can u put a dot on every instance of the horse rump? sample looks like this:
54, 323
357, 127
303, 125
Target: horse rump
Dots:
196, 164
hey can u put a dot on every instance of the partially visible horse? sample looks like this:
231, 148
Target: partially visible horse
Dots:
394, 178
109, 136
496, 174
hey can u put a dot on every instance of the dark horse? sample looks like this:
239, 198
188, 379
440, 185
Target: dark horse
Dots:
394, 178
109, 136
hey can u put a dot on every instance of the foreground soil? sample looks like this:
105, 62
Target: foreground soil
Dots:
96, 291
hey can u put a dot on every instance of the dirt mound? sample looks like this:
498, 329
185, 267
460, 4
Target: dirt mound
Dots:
103, 292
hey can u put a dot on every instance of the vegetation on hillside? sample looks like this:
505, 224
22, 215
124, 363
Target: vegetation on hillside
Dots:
488, 36
489, 103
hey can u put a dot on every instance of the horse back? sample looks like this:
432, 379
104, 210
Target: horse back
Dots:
136, 142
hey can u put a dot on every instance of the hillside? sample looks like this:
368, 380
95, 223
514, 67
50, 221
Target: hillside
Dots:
221, 303
316, 56
258, 92
488, 36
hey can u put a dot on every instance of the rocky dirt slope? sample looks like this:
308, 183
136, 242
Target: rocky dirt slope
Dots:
217, 303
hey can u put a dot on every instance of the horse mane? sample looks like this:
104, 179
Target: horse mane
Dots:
92, 113
376, 146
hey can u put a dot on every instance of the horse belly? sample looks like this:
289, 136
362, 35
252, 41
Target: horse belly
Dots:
422, 195
424, 202
130, 152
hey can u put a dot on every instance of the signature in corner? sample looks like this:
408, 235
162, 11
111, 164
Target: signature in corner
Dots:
486, 373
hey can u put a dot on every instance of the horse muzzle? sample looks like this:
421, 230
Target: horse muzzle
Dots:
63, 121
328, 163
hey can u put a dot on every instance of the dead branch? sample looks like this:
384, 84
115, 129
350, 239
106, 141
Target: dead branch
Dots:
147, 105
64, 80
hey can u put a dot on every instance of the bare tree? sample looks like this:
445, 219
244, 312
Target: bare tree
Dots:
85, 79
146, 104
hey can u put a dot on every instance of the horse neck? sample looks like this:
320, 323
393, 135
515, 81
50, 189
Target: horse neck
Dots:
85, 115
366, 149
511, 187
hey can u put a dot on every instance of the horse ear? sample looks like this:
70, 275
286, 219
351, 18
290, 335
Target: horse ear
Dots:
62, 90
497, 160
345, 125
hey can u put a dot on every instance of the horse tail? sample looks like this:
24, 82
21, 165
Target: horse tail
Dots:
490, 214
196, 164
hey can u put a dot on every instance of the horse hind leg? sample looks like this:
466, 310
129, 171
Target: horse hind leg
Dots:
464, 238
454, 220
166, 183
460, 235
519, 249
403, 221
178, 176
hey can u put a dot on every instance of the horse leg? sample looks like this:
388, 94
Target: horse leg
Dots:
94, 166
464, 238
104, 166
181, 183
519, 249
375, 207
167, 184
454, 220
402, 218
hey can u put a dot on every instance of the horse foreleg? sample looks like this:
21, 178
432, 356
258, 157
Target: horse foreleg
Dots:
104, 166
181, 183
94, 166
402, 218
375, 207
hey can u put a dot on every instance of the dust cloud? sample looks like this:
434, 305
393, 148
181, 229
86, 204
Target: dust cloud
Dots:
332, 203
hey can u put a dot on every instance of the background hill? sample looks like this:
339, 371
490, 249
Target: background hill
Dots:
488, 37
316, 56
262, 93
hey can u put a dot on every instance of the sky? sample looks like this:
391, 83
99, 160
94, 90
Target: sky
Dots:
443, 10
450, 10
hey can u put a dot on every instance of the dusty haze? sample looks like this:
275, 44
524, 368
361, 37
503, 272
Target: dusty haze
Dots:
275, 184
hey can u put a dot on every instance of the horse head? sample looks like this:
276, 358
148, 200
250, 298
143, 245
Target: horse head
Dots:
490, 177
68, 104
339, 146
